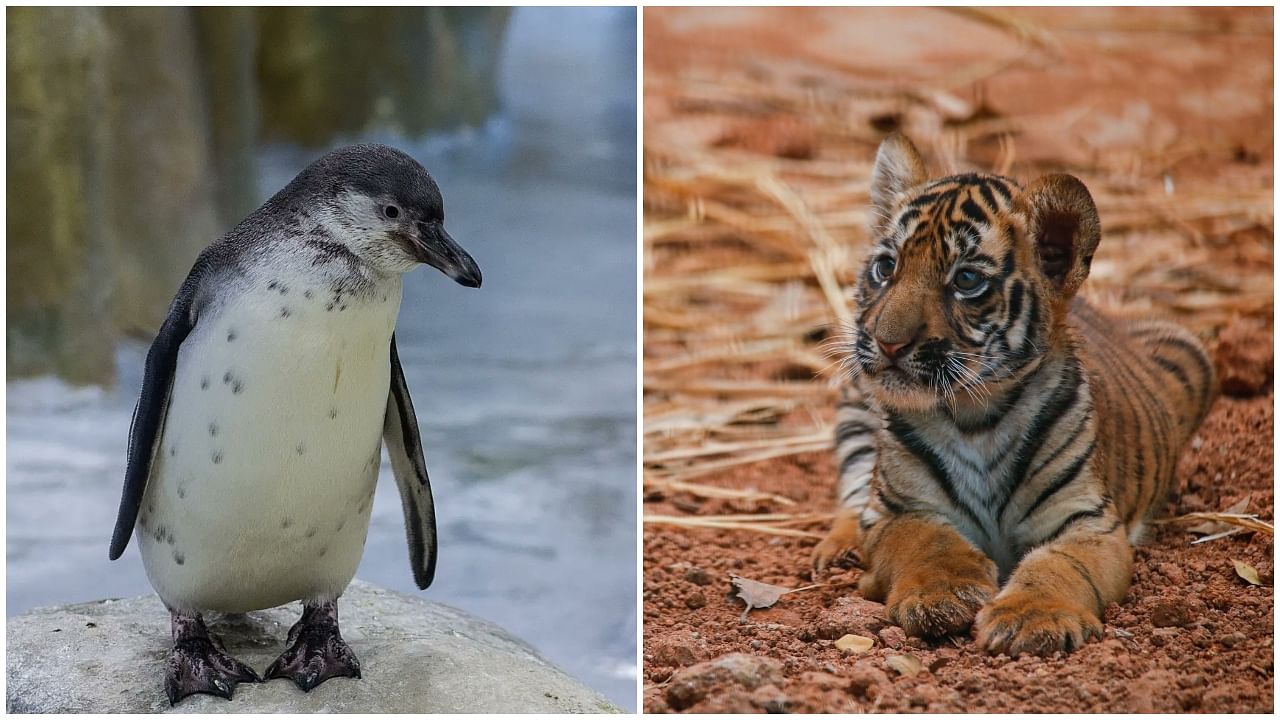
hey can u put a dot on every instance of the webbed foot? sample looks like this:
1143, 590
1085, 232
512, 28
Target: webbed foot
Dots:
199, 664
316, 651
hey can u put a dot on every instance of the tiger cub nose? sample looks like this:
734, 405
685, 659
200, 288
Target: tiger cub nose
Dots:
891, 350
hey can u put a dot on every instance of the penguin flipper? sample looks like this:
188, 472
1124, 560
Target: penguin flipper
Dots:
149, 413
404, 446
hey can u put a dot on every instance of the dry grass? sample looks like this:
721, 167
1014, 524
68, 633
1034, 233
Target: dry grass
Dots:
756, 196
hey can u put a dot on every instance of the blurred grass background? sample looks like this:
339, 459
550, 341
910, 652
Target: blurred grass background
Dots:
761, 126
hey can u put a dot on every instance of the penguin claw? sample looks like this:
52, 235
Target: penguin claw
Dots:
198, 666
316, 653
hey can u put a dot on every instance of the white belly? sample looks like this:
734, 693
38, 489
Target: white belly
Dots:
262, 486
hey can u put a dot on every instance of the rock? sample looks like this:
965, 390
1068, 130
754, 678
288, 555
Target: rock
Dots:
748, 671
1170, 613
1231, 640
671, 652
849, 615
417, 657
326, 73
893, 637
1244, 358
865, 680
697, 576
56, 240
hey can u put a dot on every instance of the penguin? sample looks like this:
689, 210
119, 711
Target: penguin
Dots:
267, 396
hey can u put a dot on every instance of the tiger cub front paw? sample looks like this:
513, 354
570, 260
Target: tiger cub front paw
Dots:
840, 543
1025, 622
939, 607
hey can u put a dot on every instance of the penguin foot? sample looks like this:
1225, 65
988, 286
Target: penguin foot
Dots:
316, 651
199, 664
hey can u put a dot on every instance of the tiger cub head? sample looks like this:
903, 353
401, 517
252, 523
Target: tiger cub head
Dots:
967, 283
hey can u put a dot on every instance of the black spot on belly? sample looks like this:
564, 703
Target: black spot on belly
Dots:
160, 533
231, 336
273, 285
324, 550
300, 448
329, 307
179, 557
217, 457
306, 294
142, 521
344, 307
182, 492
341, 524
286, 523
311, 531
226, 378
173, 450
213, 429
236, 387
204, 383
170, 538
333, 413
284, 290
284, 312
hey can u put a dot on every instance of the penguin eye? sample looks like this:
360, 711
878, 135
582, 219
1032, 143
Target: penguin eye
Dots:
391, 211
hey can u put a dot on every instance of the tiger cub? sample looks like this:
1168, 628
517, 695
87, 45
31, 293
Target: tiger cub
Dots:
1002, 443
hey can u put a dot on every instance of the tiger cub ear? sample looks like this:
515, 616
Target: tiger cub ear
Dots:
899, 168
1062, 222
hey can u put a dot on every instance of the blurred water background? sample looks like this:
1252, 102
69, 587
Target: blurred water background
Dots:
525, 389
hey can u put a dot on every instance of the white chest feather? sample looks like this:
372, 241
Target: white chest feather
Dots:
262, 486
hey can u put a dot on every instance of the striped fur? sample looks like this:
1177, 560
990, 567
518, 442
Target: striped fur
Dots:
1002, 443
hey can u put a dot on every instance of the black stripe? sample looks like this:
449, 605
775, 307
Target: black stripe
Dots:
1176, 370
1144, 401
974, 212
1198, 355
916, 445
1063, 480
923, 200
850, 428
1015, 302
892, 506
1029, 335
1084, 573
853, 457
988, 196
1071, 438
1000, 185
1072, 519
1061, 401
1002, 408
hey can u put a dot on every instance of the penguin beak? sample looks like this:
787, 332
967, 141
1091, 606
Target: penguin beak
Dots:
434, 247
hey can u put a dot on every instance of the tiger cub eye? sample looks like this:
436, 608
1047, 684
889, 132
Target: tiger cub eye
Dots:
882, 268
968, 280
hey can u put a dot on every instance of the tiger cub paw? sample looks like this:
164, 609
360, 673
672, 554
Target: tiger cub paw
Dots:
1025, 622
839, 544
938, 608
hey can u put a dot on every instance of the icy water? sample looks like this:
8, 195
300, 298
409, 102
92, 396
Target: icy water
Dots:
525, 389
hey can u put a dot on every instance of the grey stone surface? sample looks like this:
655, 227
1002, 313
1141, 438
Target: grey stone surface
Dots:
417, 657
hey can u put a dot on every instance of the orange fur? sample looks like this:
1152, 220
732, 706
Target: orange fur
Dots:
1098, 411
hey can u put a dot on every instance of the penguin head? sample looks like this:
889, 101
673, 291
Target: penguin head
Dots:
386, 209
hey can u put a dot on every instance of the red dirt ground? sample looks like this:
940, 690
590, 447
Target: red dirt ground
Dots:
1190, 635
